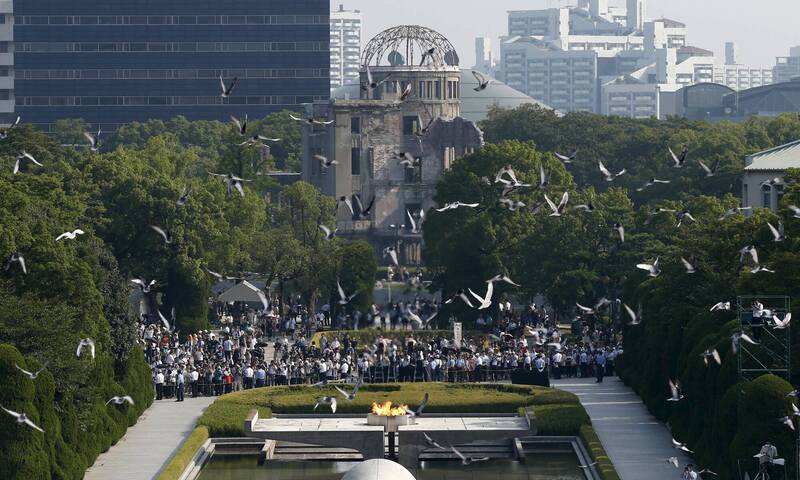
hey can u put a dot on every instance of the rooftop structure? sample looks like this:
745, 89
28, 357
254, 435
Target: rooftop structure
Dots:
762, 182
787, 68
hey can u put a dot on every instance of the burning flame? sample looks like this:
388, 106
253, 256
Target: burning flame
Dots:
386, 409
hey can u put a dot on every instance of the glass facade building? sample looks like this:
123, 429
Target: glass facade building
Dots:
116, 62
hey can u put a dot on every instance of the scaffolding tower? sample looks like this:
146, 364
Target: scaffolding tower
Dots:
772, 354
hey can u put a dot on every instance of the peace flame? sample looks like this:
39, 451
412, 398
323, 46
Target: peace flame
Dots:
386, 410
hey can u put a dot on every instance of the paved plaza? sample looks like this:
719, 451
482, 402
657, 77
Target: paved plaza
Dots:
637, 443
148, 446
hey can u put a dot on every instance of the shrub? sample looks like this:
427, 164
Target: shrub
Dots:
762, 402
559, 419
23, 451
72, 440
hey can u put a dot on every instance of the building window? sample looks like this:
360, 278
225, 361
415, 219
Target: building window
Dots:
437, 88
414, 174
355, 125
766, 196
355, 161
409, 125
421, 89
778, 195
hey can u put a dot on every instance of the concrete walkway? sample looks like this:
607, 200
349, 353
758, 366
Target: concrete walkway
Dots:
148, 446
637, 443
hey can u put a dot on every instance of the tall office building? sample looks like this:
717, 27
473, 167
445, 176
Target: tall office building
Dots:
634, 16
345, 46
565, 80
6, 62
730, 53
118, 61
484, 57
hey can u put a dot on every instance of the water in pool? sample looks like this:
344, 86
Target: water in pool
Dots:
545, 467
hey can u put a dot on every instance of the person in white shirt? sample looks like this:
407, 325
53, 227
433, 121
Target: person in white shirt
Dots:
248, 377
193, 378
557, 359
159, 381
179, 385
323, 371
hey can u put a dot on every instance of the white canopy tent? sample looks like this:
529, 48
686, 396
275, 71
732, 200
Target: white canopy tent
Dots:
242, 292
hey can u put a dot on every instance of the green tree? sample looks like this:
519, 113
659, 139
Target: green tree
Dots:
358, 272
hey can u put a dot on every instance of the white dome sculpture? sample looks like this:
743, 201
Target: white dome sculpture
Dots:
378, 469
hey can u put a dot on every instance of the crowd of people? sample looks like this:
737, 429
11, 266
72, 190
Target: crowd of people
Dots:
252, 349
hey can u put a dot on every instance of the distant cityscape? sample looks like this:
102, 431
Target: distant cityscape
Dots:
611, 60
64, 60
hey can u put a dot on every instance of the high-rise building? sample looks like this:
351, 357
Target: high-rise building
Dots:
484, 57
563, 79
635, 15
602, 58
125, 61
6, 62
742, 77
739, 76
787, 68
345, 46
730, 53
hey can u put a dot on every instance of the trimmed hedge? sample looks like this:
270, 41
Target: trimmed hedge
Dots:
73, 437
182, 458
598, 453
722, 419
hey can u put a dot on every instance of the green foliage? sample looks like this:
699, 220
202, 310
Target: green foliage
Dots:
217, 143
578, 257
74, 289
560, 419
23, 453
641, 147
69, 131
762, 403
358, 271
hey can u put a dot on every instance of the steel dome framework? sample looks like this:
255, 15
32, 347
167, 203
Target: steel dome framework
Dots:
411, 42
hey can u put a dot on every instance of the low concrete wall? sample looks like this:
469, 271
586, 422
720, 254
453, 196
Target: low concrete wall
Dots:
198, 461
367, 440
